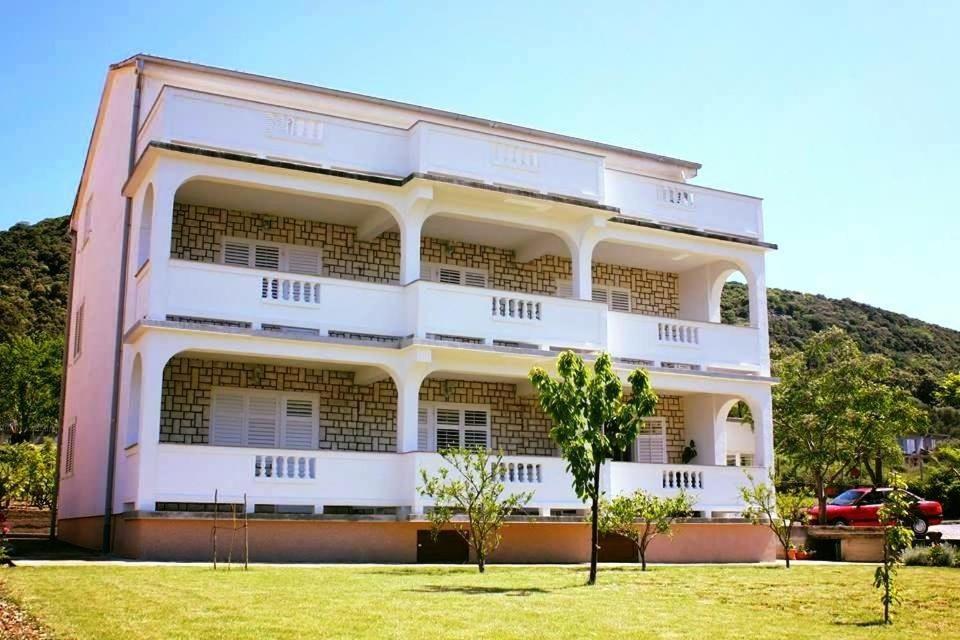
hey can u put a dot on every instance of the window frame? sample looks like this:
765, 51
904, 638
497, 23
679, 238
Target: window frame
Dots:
461, 427
70, 450
281, 425
283, 257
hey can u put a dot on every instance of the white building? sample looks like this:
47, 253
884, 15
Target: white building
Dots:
319, 289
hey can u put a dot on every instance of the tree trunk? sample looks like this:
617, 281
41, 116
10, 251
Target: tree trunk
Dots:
821, 501
786, 554
594, 524
481, 562
643, 561
879, 477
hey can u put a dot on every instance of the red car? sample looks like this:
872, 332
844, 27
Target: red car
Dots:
858, 508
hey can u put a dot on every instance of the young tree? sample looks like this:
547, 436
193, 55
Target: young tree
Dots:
30, 380
897, 538
777, 510
592, 421
948, 391
641, 517
473, 489
834, 410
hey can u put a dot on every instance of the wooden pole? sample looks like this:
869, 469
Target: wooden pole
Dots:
216, 508
246, 535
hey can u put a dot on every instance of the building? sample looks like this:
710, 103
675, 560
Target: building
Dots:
297, 295
917, 448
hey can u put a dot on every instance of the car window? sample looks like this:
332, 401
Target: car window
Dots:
847, 498
874, 497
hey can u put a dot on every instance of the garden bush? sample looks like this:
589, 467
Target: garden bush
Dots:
941, 555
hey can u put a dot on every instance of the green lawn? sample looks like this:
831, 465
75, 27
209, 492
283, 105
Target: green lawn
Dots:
739, 602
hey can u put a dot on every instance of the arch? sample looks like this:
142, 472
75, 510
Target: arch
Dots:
740, 439
146, 228
736, 283
134, 395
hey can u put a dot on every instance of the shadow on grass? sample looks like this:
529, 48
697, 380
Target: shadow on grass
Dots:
872, 623
475, 590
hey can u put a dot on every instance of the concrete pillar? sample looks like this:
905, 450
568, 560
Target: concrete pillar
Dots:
148, 441
410, 249
408, 406
581, 258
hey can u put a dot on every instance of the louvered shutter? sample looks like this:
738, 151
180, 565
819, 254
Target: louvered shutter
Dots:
303, 260
474, 279
236, 253
600, 294
448, 429
298, 424
266, 257
651, 444
449, 276
619, 300
423, 429
475, 429
426, 271
564, 289
227, 420
262, 421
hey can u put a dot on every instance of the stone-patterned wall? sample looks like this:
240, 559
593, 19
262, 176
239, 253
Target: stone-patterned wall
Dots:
352, 417
197, 233
364, 417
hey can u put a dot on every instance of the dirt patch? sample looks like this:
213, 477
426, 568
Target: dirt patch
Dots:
16, 624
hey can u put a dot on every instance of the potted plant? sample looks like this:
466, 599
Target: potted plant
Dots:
804, 553
792, 552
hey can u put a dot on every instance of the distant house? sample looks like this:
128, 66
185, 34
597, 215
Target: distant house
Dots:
917, 448
293, 297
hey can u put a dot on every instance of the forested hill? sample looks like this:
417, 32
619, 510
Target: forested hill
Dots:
923, 352
34, 260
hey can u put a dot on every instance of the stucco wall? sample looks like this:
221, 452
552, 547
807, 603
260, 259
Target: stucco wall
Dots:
363, 417
197, 233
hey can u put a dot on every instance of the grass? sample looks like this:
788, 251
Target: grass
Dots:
812, 601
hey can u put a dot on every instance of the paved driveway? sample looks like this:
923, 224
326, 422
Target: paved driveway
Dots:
949, 531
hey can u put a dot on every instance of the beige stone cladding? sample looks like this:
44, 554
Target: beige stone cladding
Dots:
198, 232
363, 417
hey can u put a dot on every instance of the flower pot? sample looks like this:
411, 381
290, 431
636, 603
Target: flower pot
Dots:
792, 554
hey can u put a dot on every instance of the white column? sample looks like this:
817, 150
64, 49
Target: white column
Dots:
757, 295
153, 360
410, 249
165, 185
408, 406
762, 409
581, 258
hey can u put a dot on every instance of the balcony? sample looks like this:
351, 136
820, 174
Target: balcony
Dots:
217, 122
191, 473
321, 305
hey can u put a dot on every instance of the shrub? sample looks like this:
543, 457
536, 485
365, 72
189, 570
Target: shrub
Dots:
941, 555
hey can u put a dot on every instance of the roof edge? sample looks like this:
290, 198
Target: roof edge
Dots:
493, 124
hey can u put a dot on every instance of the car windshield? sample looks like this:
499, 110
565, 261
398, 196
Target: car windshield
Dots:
847, 498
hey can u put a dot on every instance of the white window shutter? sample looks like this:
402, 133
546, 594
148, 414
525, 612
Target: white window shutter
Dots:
299, 421
226, 424
266, 257
620, 300
564, 289
262, 421
474, 278
305, 260
236, 253
423, 429
600, 294
651, 443
449, 275
426, 271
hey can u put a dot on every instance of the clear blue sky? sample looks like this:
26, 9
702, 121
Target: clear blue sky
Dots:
844, 117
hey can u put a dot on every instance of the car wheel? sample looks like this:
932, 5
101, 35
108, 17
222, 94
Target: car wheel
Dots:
919, 526
840, 522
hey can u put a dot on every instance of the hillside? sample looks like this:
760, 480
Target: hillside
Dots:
35, 259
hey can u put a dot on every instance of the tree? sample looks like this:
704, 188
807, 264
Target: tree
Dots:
27, 473
591, 422
948, 391
777, 510
897, 538
30, 384
835, 410
476, 491
641, 517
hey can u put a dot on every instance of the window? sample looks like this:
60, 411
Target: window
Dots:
69, 449
253, 418
651, 443
739, 459
88, 220
271, 256
465, 276
746, 459
616, 298
78, 331
732, 460
446, 426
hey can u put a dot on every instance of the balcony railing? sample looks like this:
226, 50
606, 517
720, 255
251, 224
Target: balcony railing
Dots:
210, 121
191, 473
445, 311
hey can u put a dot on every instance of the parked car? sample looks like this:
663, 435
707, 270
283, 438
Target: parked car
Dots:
859, 507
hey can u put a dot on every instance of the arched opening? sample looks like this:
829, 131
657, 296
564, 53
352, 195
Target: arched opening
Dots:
132, 432
146, 228
740, 434
735, 299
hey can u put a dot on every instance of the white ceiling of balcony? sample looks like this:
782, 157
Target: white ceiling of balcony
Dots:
649, 257
492, 235
277, 203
